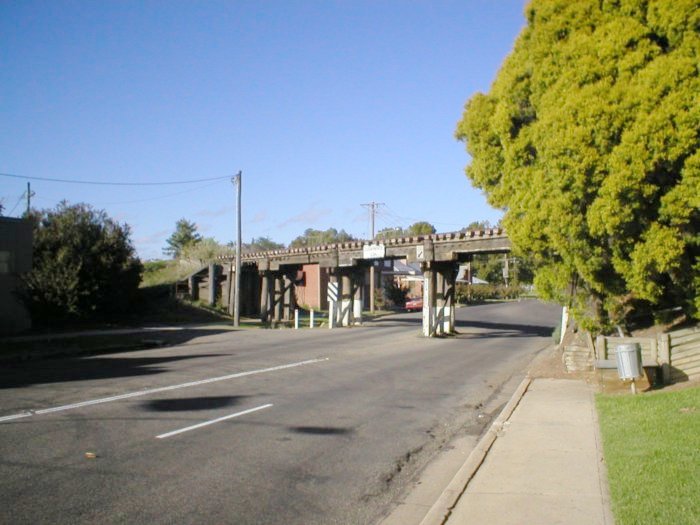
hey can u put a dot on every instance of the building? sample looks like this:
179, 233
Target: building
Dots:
15, 259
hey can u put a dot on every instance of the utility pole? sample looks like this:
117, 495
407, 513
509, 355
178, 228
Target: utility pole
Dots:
29, 197
372, 206
236, 180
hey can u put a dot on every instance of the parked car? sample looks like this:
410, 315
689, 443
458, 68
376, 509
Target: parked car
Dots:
414, 304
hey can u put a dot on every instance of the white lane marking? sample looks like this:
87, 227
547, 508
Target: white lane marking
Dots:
15, 416
157, 390
211, 422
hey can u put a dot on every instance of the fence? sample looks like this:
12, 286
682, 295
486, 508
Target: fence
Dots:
677, 352
685, 354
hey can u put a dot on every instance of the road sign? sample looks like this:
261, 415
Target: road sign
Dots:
333, 292
373, 251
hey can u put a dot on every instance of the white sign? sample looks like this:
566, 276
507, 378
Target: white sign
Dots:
332, 292
373, 251
420, 252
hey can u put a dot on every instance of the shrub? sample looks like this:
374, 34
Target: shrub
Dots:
84, 266
395, 294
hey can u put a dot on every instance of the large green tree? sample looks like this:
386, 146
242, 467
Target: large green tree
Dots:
588, 140
84, 266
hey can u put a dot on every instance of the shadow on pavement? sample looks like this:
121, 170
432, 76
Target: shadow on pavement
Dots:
192, 403
84, 369
323, 431
495, 329
504, 329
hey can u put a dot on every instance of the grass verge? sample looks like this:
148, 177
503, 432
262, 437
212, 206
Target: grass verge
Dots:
652, 450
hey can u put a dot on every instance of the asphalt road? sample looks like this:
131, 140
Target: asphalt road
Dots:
256, 426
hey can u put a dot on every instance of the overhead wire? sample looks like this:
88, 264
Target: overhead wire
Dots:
162, 196
102, 183
16, 204
414, 219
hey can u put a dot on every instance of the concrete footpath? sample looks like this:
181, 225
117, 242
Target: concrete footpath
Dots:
540, 463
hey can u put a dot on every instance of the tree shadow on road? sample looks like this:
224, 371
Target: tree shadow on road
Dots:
185, 404
496, 329
86, 368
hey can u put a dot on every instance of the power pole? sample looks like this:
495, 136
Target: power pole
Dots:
30, 194
372, 206
237, 286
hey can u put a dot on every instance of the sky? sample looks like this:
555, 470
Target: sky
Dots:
322, 105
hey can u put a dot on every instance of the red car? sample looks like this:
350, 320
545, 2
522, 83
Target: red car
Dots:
414, 304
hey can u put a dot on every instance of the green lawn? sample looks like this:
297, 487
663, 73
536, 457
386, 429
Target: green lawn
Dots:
652, 452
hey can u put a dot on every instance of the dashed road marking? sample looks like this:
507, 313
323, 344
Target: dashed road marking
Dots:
212, 421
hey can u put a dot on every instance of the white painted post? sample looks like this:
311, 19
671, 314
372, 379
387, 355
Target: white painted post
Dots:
296, 318
331, 314
311, 319
564, 322
345, 300
333, 297
357, 301
428, 302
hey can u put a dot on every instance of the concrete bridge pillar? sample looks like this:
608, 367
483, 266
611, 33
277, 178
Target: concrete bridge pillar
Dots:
347, 310
428, 300
439, 282
446, 285
333, 299
358, 283
346, 299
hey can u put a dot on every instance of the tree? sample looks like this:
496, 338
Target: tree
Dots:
313, 237
420, 228
264, 244
477, 226
389, 233
415, 229
84, 265
204, 251
588, 139
184, 235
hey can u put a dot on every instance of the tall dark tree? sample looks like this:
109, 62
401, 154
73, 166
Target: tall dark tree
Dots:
185, 234
84, 265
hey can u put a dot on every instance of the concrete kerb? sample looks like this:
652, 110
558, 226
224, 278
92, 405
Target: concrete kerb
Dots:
441, 510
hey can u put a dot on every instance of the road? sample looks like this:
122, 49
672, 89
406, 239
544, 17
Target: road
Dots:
256, 426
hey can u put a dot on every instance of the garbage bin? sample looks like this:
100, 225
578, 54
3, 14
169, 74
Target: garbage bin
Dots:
629, 360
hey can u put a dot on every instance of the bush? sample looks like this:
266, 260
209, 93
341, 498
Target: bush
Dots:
84, 266
479, 293
395, 294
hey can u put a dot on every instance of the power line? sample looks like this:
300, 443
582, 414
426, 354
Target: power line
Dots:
99, 183
16, 204
147, 199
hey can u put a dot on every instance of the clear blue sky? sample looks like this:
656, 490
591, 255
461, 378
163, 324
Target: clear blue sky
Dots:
324, 105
